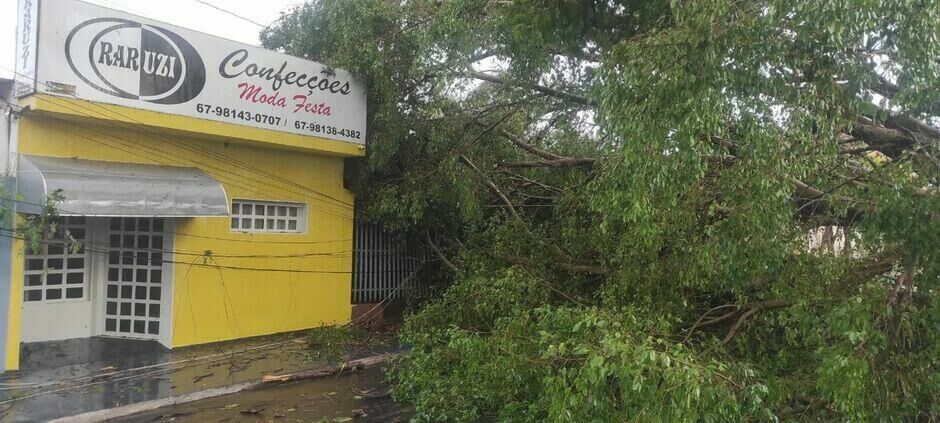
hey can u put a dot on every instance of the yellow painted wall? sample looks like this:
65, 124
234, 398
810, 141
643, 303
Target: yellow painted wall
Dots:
12, 357
210, 304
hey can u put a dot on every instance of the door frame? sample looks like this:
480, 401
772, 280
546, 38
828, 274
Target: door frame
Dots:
99, 274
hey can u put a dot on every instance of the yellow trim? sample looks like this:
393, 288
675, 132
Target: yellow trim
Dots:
15, 306
184, 125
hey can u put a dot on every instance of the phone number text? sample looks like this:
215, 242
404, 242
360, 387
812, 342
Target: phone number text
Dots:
228, 112
319, 128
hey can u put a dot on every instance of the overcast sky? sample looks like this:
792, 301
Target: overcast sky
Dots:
185, 13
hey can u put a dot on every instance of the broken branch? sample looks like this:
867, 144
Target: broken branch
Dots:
332, 370
438, 252
574, 98
815, 201
558, 163
491, 185
753, 309
571, 267
529, 147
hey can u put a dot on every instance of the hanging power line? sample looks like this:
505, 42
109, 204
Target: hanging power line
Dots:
149, 155
142, 128
72, 213
198, 150
215, 265
229, 12
169, 159
263, 27
221, 254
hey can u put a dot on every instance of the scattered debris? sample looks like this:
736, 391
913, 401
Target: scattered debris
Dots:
202, 376
252, 411
169, 417
385, 394
371, 394
332, 370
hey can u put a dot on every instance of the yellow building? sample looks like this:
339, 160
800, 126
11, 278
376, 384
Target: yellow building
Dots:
202, 180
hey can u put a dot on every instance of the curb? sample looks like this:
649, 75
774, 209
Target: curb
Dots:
127, 410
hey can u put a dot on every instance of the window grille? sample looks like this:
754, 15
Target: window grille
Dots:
268, 217
57, 273
134, 290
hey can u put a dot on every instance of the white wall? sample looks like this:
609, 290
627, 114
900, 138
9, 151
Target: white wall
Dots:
54, 321
67, 319
6, 94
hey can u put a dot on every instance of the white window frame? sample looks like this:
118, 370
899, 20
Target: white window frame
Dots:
65, 224
286, 214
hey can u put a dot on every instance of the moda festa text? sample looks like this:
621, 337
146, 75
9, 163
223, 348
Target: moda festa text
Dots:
234, 65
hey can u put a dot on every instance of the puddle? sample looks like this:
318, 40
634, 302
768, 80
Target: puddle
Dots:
340, 398
65, 378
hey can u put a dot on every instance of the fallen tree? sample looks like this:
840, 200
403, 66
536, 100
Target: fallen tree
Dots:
626, 197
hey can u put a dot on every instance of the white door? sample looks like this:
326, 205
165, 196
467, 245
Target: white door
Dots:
136, 297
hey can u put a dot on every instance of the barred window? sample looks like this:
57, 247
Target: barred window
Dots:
268, 217
58, 272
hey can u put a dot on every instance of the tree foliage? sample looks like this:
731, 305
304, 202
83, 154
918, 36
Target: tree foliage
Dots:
35, 230
656, 211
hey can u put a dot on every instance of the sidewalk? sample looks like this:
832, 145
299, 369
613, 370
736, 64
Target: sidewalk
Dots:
65, 378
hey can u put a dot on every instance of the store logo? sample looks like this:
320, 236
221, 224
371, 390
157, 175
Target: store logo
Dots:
136, 61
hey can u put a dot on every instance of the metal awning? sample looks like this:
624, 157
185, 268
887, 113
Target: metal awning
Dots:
98, 188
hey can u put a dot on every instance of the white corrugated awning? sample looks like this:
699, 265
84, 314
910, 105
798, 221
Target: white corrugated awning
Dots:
98, 188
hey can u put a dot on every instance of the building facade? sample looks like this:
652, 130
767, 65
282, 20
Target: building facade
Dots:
198, 184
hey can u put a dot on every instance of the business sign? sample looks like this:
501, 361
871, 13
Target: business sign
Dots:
25, 74
98, 54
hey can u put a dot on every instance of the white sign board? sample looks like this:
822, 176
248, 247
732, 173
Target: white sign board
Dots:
98, 54
24, 79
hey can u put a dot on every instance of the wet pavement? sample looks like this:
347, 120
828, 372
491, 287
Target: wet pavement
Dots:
357, 396
65, 378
